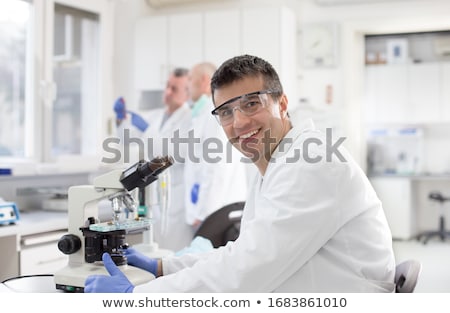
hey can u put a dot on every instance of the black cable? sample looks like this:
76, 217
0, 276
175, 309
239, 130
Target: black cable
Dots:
27, 276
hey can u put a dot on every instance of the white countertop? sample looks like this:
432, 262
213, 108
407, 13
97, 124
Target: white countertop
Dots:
36, 222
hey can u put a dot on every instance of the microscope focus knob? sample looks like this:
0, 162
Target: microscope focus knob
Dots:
69, 244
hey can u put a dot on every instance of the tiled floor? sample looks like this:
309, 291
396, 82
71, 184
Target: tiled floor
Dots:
435, 259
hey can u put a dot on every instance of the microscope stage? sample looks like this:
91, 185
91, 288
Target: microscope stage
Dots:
129, 226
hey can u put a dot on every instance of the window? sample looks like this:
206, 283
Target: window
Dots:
52, 80
75, 72
14, 44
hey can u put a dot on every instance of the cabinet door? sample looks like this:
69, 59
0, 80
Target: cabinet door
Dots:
387, 93
39, 254
185, 39
393, 93
44, 259
395, 195
270, 33
373, 112
423, 93
259, 37
445, 91
406, 93
221, 34
9, 258
151, 65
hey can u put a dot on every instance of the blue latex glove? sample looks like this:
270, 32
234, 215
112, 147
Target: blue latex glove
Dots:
141, 261
119, 108
117, 282
198, 245
194, 193
138, 121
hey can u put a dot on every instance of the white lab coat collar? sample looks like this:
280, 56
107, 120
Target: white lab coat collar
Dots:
306, 125
175, 119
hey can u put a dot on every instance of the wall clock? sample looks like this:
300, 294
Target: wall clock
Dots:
319, 45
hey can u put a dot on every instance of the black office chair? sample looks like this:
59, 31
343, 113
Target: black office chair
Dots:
406, 276
223, 225
442, 232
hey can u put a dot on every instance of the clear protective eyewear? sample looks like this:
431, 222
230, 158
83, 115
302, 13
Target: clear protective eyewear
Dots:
247, 104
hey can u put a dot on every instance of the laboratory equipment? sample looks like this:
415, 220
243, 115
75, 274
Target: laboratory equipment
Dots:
9, 213
158, 198
395, 151
85, 255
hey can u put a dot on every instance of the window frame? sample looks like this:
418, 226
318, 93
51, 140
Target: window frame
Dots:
41, 89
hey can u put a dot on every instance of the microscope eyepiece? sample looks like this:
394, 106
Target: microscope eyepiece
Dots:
156, 166
144, 173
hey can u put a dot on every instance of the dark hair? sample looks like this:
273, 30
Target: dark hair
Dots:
180, 72
243, 66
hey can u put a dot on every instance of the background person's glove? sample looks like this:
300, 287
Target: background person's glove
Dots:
119, 108
121, 114
117, 282
141, 261
138, 121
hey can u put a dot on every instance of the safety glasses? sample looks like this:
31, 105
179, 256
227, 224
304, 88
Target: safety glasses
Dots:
247, 104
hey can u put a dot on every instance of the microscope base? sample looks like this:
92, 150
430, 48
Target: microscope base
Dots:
72, 278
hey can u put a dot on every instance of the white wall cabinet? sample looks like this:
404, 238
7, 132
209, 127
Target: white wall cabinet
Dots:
163, 42
424, 83
185, 39
406, 93
217, 46
42, 258
386, 93
396, 195
445, 91
9, 258
274, 42
151, 45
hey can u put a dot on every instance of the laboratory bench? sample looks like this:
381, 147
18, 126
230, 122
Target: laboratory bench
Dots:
29, 246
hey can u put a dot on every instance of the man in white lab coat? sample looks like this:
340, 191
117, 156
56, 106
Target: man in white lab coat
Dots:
213, 178
170, 229
311, 223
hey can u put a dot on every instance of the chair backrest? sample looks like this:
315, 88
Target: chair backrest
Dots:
406, 276
223, 225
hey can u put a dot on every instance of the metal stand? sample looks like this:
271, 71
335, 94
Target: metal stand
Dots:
442, 232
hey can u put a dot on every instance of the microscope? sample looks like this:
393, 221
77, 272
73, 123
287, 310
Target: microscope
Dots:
89, 238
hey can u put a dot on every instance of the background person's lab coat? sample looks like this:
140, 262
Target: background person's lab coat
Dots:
218, 176
306, 227
174, 233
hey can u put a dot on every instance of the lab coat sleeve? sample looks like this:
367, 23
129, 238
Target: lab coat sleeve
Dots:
297, 211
